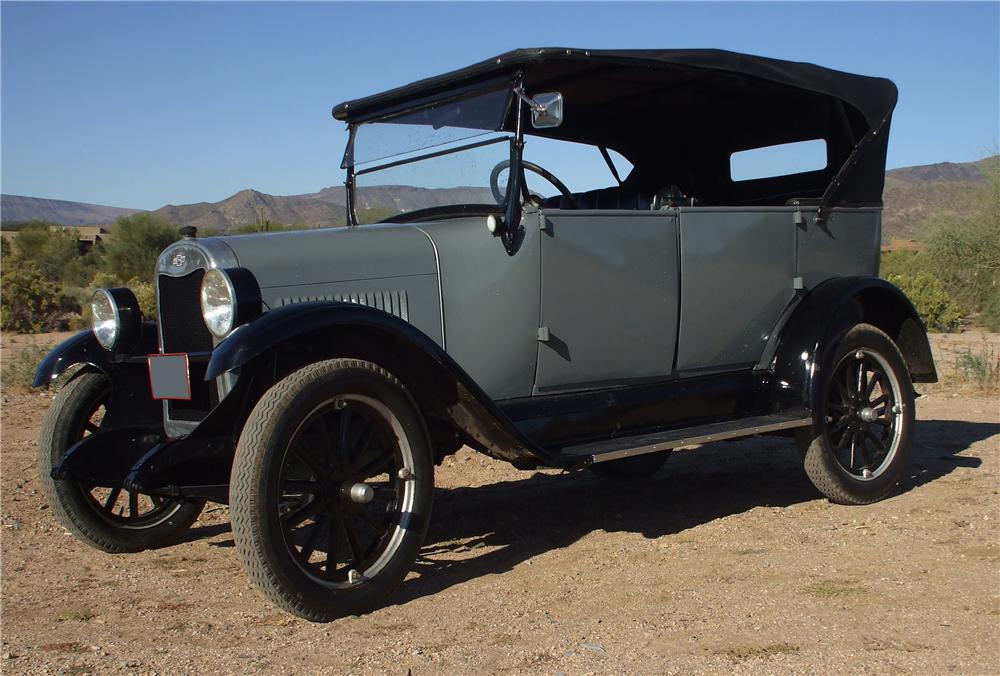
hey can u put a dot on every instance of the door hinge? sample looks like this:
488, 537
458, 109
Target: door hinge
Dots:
797, 217
543, 334
798, 284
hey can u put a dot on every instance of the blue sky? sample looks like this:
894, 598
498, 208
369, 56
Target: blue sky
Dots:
144, 104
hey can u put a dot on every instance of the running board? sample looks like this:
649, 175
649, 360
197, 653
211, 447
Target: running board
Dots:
626, 447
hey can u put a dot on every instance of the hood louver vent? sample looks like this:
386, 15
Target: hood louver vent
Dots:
392, 302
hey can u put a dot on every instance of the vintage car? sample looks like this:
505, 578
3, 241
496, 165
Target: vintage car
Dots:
671, 293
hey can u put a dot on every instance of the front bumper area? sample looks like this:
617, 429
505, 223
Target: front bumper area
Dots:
132, 448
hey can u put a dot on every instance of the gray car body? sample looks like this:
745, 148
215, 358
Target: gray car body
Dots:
592, 299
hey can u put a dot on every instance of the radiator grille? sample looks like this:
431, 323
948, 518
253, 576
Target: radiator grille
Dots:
182, 329
392, 302
181, 324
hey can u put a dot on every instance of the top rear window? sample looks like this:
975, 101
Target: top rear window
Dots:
785, 159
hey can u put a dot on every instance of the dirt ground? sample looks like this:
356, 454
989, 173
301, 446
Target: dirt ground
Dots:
725, 560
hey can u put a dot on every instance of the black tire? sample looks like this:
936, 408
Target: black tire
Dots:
858, 445
310, 442
98, 515
628, 469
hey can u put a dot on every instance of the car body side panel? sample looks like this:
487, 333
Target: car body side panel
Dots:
490, 303
391, 268
845, 245
609, 298
737, 271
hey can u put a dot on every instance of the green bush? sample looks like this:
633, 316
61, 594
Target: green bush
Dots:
30, 302
138, 240
145, 293
980, 369
990, 317
937, 309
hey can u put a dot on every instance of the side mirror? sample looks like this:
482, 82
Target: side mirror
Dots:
547, 110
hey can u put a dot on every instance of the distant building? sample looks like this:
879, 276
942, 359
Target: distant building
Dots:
86, 235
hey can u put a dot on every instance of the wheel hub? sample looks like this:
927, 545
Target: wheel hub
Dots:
867, 414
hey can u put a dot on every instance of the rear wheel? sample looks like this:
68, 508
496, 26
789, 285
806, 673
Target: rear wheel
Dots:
111, 519
857, 448
331, 489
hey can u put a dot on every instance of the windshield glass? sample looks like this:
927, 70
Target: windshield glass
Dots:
437, 155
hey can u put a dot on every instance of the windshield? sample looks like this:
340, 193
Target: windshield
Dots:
437, 155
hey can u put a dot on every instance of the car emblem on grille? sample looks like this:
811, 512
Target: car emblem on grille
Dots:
178, 260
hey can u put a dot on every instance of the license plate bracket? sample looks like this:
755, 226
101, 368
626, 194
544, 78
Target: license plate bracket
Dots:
170, 376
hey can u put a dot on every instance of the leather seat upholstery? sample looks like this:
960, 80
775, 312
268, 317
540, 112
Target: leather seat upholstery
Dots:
617, 197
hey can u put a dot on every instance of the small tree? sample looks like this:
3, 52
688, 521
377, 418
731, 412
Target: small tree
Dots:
138, 239
55, 251
29, 301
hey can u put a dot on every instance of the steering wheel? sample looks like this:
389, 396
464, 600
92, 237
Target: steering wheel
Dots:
499, 195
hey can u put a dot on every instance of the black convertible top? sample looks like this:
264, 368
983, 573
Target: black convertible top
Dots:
678, 115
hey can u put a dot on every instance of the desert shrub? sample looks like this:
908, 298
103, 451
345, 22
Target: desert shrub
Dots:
980, 369
990, 317
964, 251
138, 240
30, 301
145, 293
938, 310
56, 252
19, 365
904, 263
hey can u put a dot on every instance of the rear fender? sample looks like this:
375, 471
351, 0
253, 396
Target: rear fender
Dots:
290, 337
811, 335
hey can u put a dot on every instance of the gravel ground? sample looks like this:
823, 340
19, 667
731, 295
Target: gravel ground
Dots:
724, 560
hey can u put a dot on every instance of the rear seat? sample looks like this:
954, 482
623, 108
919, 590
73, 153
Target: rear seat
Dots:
618, 197
623, 197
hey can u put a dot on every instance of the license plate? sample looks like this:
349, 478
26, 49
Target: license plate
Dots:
169, 377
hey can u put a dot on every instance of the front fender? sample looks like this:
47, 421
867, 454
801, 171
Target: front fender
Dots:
825, 315
131, 398
331, 329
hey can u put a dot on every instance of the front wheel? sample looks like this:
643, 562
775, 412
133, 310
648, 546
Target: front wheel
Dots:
331, 489
111, 519
857, 448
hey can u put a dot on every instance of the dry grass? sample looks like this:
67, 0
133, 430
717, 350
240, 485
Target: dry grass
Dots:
827, 589
743, 653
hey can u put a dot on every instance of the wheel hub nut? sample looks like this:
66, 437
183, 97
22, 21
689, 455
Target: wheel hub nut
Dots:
868, 414
361, 493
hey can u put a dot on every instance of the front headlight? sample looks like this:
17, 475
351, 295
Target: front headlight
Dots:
116, 318
229, 298
218, 302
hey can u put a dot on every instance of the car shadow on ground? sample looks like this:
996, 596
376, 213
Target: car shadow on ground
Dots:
513, 521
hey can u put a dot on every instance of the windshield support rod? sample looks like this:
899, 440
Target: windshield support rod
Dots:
611, 165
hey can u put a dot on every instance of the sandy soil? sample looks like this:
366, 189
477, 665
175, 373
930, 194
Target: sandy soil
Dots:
725, 560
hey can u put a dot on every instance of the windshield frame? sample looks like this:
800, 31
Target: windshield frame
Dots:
511, 207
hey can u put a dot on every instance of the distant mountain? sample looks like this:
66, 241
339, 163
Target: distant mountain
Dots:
399, 198
248, 206
912, 195
949, 172
20, 209
915, 194
320, 209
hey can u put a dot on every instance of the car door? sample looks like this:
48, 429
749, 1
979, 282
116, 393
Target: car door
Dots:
737, 276
609, 299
